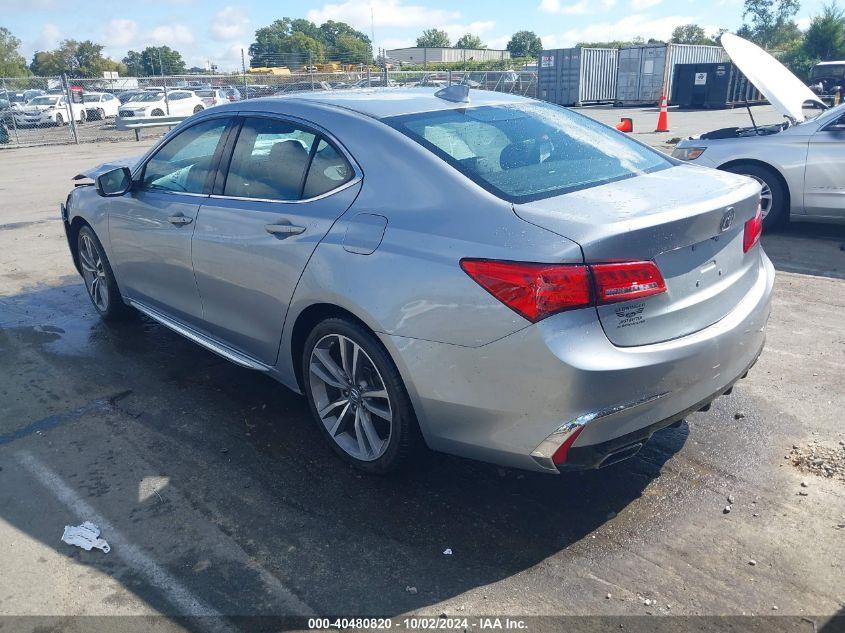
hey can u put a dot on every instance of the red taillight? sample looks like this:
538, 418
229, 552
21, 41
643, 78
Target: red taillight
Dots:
562, 451
753, 230
627, 280
534, 291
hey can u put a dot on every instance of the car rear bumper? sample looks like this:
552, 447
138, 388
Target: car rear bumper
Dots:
501, 401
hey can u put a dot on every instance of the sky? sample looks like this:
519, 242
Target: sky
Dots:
216, 30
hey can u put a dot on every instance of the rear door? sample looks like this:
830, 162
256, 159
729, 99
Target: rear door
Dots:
284, 186
824, 181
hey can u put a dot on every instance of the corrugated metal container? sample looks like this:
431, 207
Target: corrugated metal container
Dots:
712, 86
646, 72
575, 76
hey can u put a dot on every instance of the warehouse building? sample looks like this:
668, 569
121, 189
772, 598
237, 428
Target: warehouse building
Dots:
419, 55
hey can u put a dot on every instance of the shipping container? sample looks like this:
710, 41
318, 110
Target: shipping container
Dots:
577, 76
712, 86
646, 72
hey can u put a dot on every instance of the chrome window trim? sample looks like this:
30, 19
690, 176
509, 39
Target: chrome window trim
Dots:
345, 185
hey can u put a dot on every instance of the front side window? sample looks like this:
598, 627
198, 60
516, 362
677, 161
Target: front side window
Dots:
184, 162
527, 151
269, 160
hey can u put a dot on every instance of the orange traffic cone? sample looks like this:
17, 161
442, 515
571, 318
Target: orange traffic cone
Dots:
625, 125
663, 117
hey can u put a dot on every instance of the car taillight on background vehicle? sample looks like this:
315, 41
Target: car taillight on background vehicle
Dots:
753, 230
536, 291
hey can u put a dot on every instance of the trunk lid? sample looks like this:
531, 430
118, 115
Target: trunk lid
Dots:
688, 220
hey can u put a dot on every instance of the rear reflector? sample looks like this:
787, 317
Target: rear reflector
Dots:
562, 452
753, 230
627, 280
536, 291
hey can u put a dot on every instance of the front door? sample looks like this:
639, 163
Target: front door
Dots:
150, 227
824, 181
284, 188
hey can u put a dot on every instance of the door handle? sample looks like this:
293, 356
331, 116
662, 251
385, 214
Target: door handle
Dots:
283, 230
179, 220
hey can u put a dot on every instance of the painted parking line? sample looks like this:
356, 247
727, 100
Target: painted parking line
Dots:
175, 592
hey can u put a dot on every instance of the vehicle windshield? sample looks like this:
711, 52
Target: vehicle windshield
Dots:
38, 101
828, 70
528, 151
91, 98
149, 96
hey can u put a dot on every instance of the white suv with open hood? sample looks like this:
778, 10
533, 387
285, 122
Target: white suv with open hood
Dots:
799, 163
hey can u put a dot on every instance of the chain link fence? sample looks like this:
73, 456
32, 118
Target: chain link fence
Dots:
57, 110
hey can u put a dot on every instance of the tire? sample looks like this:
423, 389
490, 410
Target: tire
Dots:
101, 114
98, 277
777, 214
60, 120
83, 117
396, 442
157, 112
198, 108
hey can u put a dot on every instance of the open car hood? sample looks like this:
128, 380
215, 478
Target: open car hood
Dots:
99, 170
784, 90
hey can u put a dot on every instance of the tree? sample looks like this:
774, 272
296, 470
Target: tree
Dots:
154, 60
825, 37
433, 38
344, 43
691, 34
525, 44
470, 41
77, 59
770, 22
12, 63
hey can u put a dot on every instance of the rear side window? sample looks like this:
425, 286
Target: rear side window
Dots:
278, 160
329, 170
269, 161
524, 152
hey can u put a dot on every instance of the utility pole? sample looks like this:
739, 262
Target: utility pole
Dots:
243, 68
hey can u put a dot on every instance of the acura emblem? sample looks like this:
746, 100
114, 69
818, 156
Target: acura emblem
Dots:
727, 219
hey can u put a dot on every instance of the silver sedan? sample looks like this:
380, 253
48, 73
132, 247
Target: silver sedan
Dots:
483, 274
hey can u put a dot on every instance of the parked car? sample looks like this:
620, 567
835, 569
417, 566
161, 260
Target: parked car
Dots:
232, 93
126, 95
800, 164
100, 105
48, 110
154, 103
494, 276
827, 80
302, 86
212, 96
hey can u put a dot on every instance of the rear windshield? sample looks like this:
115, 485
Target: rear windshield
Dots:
828, 70
528, 151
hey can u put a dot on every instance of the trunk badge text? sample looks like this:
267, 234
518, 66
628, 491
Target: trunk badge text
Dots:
727, 219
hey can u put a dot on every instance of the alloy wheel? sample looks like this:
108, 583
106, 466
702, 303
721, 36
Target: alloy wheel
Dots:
765, 196
94, 273
350, 397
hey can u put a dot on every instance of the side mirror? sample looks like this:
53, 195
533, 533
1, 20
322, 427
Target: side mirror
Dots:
115, 182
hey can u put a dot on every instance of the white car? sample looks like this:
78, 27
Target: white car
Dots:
153, 104
48, 110
212, 96
100, 105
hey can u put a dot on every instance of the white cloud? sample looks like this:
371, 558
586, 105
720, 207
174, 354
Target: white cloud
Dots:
120, 32
385, 13
639, 5
172, 35
625, 29
803, 23
455, 31
229, 24
49, 38
582, 7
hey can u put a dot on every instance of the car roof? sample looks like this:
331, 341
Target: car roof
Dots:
381, 103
